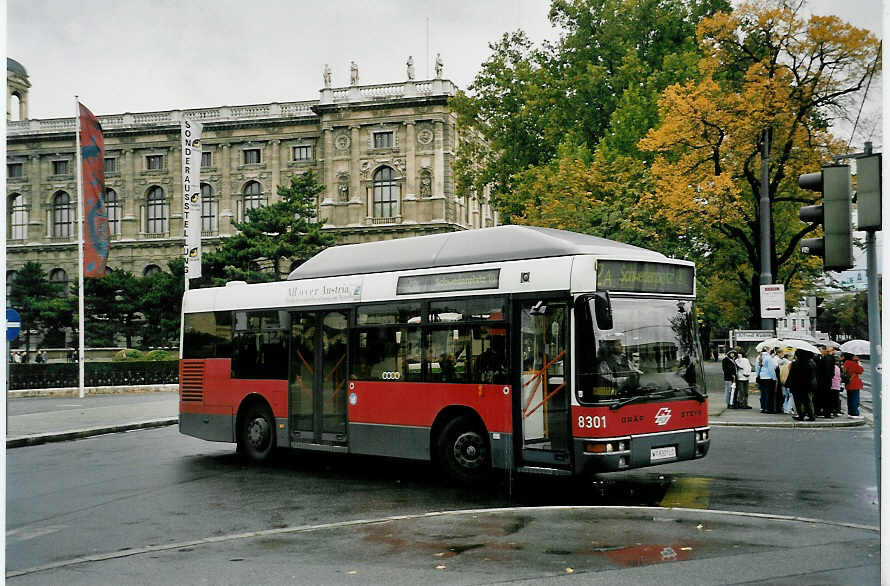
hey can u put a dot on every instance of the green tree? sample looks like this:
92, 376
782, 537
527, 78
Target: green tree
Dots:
112, 308
845, 317
42, 304
542, 111
160, 302
272, 237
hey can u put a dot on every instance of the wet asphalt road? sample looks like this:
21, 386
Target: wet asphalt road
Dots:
154, 487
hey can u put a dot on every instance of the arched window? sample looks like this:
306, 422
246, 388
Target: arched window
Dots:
386, 193
15, 107
18, 217
10, 277
209, 223
253, 198
157, 212
60, 278
151, 270
62, 215
113, 211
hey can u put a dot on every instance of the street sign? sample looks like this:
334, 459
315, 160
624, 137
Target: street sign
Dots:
772, 301
13, 324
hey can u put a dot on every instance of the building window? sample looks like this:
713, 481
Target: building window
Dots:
151, 270
157, 211
60, 167
14, 170
383, 140
18, 217
113, 211
10, 279
303, 153
154, 162
253, 198
386, 193
251, 156
60, 278
110, 165
208, 210
62, 212
206, 159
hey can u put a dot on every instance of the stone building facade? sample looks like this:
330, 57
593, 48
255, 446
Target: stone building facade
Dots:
383, 152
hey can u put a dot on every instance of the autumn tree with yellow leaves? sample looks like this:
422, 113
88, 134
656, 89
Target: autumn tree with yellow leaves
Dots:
764, 66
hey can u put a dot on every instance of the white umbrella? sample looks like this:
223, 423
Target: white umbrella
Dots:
860, 347
800, 345
830, 343
769, 343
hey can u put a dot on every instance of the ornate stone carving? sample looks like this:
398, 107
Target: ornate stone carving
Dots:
399, 165
426, 183
410, 66
424, 136
365, 169
343, 187
327, 75
342, 142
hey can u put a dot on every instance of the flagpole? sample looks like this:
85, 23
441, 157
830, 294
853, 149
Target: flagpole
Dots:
80, 285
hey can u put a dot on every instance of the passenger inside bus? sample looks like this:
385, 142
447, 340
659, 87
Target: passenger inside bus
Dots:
491, 365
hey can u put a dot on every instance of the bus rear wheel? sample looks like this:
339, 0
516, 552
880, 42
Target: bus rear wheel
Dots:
256, 434
463, 451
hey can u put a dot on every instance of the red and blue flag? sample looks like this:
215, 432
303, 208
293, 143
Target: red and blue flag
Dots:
95, 220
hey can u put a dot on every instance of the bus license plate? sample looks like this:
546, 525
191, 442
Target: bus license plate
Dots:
665, 453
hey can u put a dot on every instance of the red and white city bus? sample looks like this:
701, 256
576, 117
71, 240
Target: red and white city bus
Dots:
519, 348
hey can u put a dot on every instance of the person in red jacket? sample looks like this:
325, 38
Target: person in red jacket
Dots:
852, 369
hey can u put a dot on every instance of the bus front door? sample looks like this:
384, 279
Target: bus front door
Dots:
318, 372
542, 408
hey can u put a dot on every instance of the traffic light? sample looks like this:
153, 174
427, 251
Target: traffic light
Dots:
836, 245
868, 192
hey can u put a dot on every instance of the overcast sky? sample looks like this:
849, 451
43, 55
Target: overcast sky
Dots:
129, 56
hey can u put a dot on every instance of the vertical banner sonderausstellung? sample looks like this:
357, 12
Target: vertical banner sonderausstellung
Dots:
191, 196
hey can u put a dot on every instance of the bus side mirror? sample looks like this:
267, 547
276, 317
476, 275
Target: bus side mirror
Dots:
602, 307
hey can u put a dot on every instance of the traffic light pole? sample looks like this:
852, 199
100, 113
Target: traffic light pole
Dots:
874, 341
766, 270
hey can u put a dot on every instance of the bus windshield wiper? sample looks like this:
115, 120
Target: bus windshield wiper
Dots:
647, 393
694, 392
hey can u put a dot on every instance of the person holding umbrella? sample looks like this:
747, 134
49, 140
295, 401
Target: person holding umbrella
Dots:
852, 369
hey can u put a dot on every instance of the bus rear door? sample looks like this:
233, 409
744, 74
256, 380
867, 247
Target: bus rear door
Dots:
318, 377
542, 405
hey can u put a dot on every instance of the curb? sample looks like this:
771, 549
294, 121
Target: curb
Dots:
790, 424
74, 391
62, 436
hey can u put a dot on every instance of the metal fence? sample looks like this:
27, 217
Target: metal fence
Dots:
96, 374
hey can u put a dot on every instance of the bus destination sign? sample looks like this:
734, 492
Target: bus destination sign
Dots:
644, 277
439, 283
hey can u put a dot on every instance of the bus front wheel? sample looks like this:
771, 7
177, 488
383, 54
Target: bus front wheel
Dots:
256, 434
463, 451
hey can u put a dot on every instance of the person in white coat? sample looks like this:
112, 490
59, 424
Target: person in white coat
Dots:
744, 375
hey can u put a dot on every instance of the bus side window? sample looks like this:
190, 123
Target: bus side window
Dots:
259, 347
490, 355
207, 335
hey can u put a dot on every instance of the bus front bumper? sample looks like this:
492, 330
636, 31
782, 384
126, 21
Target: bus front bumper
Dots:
593, 455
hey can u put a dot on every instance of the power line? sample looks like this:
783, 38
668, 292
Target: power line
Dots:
865, 95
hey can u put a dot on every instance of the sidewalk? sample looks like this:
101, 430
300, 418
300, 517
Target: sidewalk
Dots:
95, 414
719, 414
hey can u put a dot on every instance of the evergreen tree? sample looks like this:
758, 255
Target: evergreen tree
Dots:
160, 301
272, 239
43, 305
112, 308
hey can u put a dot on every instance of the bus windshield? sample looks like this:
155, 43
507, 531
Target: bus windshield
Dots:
650, 348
